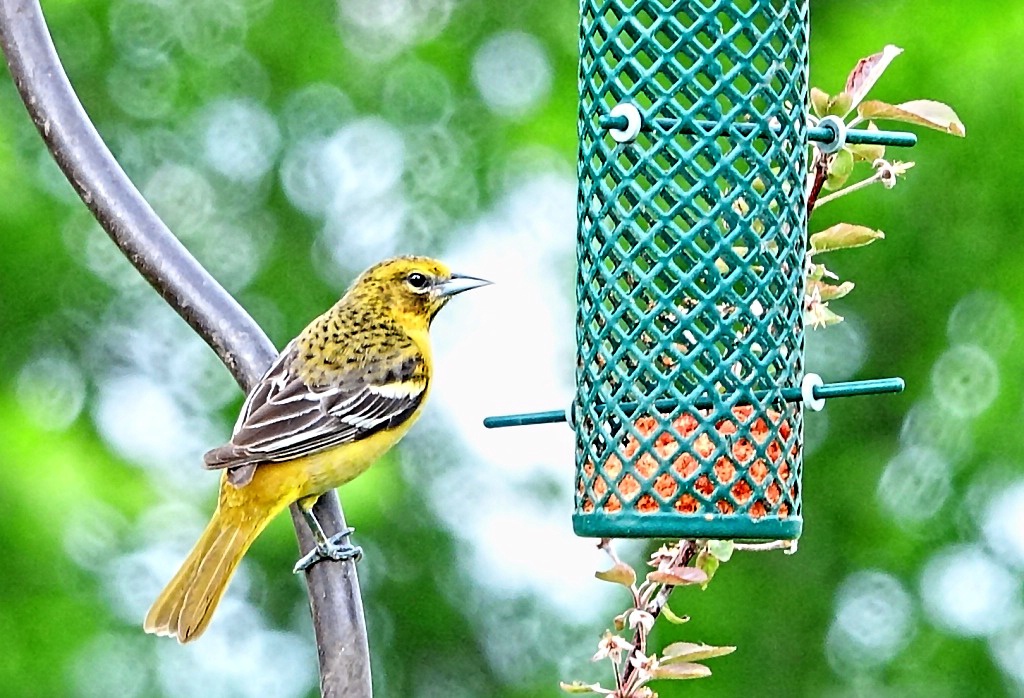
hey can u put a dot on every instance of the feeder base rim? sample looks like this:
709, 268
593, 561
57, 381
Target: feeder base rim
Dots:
676, 526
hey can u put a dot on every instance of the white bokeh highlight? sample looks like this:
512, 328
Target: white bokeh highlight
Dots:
377, 30
1003, 524
838, 352
873, 622
915, 484
240, 139
512, 73
965, 380
967, 592
51, 390
509, 348
983, 318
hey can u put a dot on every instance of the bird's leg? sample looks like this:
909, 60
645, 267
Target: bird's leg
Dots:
326, 548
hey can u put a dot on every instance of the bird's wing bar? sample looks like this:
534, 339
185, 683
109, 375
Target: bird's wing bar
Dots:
284, 419
269, 387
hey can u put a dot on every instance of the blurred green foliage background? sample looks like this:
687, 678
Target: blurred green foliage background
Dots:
289, 144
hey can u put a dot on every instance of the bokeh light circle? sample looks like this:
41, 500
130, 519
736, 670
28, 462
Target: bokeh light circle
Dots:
512, 73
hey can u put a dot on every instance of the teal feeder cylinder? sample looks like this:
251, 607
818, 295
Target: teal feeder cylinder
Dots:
690, 246
691, 264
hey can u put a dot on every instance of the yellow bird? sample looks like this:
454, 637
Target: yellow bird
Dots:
337, 398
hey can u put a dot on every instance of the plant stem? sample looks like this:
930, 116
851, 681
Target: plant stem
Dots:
686, 549
876, 177
819, 169
787, 545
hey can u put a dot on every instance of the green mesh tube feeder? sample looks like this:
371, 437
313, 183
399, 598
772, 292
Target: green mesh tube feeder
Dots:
691, 251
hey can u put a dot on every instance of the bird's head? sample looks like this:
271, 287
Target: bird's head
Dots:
416, 287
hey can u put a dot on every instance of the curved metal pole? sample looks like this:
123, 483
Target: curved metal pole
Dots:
195, 295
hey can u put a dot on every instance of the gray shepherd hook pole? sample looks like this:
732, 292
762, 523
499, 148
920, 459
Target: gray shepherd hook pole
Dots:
204, 304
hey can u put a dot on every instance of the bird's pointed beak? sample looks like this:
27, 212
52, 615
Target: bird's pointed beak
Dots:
459, 283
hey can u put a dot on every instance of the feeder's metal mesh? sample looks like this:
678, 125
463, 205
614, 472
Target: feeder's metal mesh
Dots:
691, 247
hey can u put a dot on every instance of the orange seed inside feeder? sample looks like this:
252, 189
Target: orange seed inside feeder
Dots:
737, 473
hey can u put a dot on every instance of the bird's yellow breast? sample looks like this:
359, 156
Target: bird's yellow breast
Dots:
334, 467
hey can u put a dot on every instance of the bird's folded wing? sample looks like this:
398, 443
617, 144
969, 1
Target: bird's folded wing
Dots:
283, 418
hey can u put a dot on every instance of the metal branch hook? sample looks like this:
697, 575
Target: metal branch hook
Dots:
196, 296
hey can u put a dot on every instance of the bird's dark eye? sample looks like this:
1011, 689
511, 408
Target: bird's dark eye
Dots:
418, 281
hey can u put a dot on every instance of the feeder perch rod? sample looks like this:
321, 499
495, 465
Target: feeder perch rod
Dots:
824, 134
875, 386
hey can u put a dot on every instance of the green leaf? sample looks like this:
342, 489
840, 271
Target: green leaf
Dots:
578, 687
923, 112
819, 102
818, 272
818, 316
681, 576
722, 549
707, 563
692, 652
671, 616
828, 292
685, 670
723, 266
843, 236
759, 186
867, 72
620, 573
867, 152
840, 105
839, 169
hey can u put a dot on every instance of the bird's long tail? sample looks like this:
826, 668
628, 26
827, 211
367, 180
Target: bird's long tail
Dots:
185, 607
